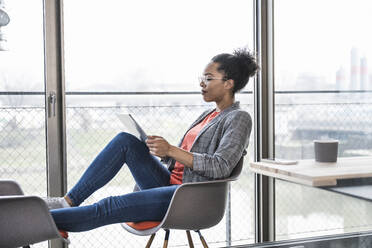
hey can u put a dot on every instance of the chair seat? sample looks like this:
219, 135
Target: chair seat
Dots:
143, 225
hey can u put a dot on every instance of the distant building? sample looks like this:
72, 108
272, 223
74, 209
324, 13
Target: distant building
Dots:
363, 73
354, 69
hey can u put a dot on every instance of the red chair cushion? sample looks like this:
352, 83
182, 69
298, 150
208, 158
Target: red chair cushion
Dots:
143, 225
64, 234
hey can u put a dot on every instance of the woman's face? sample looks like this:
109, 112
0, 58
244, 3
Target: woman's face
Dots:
213, 84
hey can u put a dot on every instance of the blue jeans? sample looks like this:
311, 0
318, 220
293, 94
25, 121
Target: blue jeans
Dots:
148, 204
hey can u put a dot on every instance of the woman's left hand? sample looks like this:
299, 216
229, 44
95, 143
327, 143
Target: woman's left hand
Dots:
158, 146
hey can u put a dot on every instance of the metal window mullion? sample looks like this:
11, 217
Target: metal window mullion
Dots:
264, 120
55, 102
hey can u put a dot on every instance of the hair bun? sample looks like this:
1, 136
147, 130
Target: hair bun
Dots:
239, 66
246, 59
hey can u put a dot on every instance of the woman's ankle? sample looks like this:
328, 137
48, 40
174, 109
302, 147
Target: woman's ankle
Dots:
68, 200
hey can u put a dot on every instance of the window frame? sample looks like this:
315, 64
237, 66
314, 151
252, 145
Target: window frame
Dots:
264, 119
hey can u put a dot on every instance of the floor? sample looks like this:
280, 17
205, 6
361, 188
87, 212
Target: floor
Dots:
356, 240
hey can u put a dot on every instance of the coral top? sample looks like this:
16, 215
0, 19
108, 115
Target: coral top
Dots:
188, 141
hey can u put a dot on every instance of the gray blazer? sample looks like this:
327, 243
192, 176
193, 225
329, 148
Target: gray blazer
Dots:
219, 145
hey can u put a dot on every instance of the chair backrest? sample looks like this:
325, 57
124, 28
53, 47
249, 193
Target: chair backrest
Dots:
25, 220
197, 206
10, 187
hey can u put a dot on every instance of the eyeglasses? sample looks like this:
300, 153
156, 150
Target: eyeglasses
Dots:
207, 79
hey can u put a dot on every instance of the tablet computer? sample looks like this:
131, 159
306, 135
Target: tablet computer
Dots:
132, 126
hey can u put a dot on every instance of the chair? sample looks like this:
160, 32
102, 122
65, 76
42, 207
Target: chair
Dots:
24, 220
194, 206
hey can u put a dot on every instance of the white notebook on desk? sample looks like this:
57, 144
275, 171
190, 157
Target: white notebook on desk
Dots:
131, 126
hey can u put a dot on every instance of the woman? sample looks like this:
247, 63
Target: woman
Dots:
209, 150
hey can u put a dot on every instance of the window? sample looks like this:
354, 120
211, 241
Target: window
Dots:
322, 85
22, 100
144, 57
22, 113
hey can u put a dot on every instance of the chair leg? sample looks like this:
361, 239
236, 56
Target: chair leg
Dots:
189, 238
166, 239
150, 240
202, 240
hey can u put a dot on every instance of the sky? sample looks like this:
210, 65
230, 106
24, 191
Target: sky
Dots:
164, 45
317, 36
153, 42
128, 45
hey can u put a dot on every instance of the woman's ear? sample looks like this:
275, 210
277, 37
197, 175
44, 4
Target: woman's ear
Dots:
229, 84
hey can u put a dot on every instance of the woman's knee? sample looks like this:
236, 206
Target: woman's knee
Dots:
126, 138
129, 142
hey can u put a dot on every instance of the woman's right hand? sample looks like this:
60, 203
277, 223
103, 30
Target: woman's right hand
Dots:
158, 146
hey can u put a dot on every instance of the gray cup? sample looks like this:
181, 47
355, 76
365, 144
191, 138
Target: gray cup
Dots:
326, 150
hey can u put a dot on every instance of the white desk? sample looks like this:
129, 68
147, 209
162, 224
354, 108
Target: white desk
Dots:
312, 173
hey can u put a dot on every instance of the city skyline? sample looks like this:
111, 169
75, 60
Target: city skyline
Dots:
357, 77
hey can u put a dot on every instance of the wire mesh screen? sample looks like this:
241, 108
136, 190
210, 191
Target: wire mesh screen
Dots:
304, 211
301, 211
89, 129
22, 148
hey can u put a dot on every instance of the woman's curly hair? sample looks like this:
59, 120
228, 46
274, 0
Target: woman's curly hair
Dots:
239, 66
